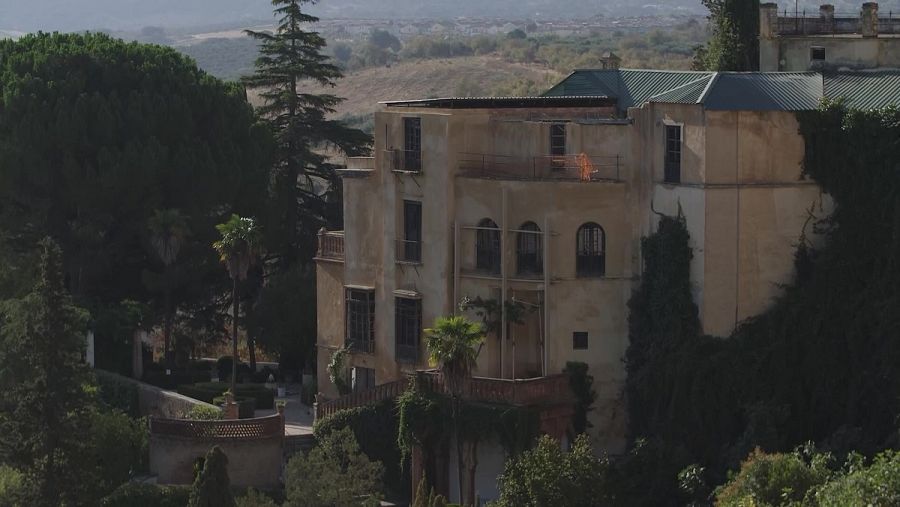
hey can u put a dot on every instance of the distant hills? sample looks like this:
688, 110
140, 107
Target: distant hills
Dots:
116, 15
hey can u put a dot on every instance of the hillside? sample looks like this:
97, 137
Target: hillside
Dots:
468, 76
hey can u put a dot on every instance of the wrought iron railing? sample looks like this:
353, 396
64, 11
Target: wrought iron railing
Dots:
801, 23
362, 398
409, 251
404, 161
580, 167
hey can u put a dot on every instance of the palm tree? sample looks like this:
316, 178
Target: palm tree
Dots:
237, 249
168, 230
453, 345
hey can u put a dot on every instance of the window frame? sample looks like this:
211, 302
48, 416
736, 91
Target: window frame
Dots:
673, 150
359, 319
814, 50
590, 251
558, 131
412, 144
529, 250
369, 376
577, 343
407, 329
488, 256
411, 250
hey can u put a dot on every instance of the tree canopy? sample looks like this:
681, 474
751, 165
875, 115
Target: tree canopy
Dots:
96, 134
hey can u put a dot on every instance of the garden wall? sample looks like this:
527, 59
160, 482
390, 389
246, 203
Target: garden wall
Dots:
155, 401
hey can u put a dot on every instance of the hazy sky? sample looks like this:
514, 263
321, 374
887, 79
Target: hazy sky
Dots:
68, 15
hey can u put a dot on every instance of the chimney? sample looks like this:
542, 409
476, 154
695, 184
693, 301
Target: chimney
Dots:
869, 19
610, 60
768, 21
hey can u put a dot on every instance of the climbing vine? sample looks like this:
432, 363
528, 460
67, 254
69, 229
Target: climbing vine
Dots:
337, 370
823, 363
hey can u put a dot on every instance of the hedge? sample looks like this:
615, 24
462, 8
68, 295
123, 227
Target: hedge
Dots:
118, 392
208, 391
246, 406
134, 494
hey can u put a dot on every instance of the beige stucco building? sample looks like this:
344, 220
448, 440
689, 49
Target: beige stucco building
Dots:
542, 202
798, 41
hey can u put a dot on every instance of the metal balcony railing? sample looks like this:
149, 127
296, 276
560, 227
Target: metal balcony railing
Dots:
803, 23
403, 161
580, 167
409, 251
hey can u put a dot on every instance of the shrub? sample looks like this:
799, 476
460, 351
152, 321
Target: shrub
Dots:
212, 488
118, 392
877, 485
208, 391
11, 483
204, 413
334, 473
119, 449
135, 494
774, 479
175, 379
246, 406
254, 498
547, 475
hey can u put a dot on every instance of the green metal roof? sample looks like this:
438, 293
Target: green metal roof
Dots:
690, 93
865, 89
764, 91
631, 87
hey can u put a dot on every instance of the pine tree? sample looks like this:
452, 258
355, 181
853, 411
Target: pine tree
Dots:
46, 397
212, 487
290, 56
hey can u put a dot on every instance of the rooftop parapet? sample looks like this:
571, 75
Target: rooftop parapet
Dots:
865, 23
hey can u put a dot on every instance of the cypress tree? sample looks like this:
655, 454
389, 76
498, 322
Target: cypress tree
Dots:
212, 487
734, 44
303, 173
46, 397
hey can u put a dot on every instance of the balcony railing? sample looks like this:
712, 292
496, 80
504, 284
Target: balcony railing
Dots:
541, 168
409, 251
362, 398
801, 23
331, 245
403, 161
551, 389
225, 429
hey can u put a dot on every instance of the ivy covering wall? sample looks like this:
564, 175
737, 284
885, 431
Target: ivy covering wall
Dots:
823, 363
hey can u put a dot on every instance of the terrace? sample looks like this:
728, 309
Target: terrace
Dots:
582, 167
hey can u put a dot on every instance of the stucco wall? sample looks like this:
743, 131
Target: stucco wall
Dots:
330, 319
255, 463
852, 51
153, 401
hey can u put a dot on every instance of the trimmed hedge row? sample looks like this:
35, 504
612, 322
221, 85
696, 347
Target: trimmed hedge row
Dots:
246, 406
208, 391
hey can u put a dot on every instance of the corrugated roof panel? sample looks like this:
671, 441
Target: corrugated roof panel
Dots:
765, 91
867, 89
685, 94
631, 87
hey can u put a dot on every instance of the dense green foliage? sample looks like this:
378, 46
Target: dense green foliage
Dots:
774, 479
118, 448
134, 494
96, 135
212, 488
822, 363
118, 392
581, 383
335, 473
207, 391
876, 485
735, 36
254, 498
375, 429
547, 475
46, 396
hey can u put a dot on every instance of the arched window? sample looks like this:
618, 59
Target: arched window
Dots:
590, 250
529, 258
487, 246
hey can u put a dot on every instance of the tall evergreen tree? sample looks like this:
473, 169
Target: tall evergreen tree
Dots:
303, 173
213, 487
45, 398
734, 44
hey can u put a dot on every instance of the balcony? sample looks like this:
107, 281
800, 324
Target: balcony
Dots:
330, 246
582, 167
549, 390
403, 161
409, 252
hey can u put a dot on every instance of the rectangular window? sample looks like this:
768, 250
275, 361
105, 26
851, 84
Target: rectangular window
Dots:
817, 53
362, 379
579, 340
360, 317
412, 134
411, 245
408, 328
558, 146
673, 154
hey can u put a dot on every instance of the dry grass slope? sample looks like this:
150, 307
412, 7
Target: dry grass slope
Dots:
466, 76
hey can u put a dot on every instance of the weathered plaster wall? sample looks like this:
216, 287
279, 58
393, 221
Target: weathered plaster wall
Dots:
255, 462
330, 319
851, 51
